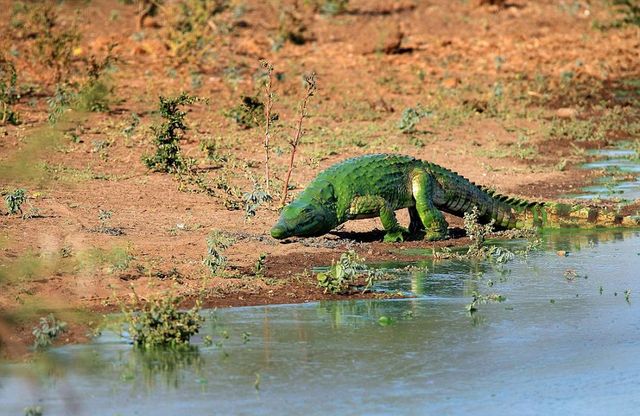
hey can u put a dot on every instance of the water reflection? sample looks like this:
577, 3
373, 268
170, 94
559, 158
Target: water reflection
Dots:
528, 355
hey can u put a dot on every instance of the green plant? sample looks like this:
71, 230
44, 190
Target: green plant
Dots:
14, 200
342, 275
331, 7
168, 134
54, 42
159, 323
411, 116
59, 102
253, 199
192, 28
476, 232
259, 266
8, 91
33, 411
249, 113
480, 299
217, 243
93, 95
47, 331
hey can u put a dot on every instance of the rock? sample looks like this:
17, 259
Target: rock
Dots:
377, 37
450, 82
566, 112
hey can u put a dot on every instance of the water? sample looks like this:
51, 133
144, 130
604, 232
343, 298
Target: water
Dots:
617, 163
557, 345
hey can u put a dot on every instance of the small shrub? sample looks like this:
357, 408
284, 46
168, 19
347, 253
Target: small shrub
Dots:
410, 119
217, 243
253, 199
47, 331
59, 102
94, 93
167, 135
192, 29
14, 201
248, 114
159, 323
343, 274
8, 91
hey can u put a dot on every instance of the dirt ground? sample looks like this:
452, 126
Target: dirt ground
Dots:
512, 96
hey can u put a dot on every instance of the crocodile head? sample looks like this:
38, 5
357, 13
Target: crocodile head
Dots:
311, 215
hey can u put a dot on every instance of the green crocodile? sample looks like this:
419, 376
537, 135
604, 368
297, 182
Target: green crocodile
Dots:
379, 184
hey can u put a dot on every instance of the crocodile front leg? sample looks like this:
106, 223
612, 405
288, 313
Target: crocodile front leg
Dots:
435, 226
369, 206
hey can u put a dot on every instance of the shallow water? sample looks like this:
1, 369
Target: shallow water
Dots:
555, 346
616, 162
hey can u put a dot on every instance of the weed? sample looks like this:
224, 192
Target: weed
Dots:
291, 28
476, 232
193, 30
579, 130
47, 331
480, 299
217, 243
130, 129
168, 135
342, 275
93, 95
8, 91
331, 7
259, 266
14, 200
59, 102
54, 43
33, 411
269, 96
248, 114
627, 295
253, 199
310, 89
159, 323
411, 116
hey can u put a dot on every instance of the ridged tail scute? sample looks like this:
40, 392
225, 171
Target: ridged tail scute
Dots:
561, 215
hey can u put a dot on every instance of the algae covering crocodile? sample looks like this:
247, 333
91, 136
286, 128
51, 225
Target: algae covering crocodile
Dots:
377, 185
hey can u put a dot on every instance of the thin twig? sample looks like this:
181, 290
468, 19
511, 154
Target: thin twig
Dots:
310, 80
267, 112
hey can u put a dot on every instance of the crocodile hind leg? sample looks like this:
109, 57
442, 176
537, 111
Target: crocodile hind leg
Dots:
435, 226
367, 206
415, 223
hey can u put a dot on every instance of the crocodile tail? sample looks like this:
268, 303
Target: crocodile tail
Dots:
560, 215
513, 212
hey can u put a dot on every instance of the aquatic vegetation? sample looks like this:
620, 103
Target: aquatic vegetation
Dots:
481, 299
14, 200
344, 274
47, 331
476, 232
159, 323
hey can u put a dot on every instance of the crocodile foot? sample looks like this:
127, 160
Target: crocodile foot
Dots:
395, 236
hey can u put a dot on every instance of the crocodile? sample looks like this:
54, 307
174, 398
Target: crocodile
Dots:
377, 185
